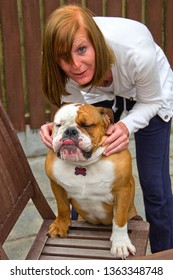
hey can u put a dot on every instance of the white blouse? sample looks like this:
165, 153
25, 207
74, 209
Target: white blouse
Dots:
141, 73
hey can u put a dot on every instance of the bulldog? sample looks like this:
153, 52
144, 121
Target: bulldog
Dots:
100, 188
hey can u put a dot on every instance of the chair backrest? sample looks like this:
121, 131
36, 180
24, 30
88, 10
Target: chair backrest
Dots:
17, 182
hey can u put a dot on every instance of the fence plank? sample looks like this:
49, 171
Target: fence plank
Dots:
50, 6
114, 8
1, 88
32, 42
134, 9
154, 19
169, 31
12, 61
96, 7
73, 2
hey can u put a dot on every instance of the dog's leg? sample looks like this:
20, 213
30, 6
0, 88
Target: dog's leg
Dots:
132, 213
61, 224
121, 244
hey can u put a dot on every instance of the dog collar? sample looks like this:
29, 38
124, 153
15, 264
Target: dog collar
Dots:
80, 171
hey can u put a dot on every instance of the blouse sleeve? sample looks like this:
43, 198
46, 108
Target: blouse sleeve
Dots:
144, 74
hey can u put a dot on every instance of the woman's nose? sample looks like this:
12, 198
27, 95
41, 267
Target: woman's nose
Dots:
76, 62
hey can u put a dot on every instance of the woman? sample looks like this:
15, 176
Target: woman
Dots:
114, 62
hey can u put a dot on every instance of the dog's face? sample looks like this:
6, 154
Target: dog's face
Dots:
79, 130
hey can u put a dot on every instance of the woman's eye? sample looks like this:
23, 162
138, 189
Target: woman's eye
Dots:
81, 50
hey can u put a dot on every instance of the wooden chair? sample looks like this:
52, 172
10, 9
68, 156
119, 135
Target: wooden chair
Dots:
18, 186
17, 183
164, 255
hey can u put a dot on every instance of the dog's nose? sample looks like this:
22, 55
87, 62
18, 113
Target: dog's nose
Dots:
70, 132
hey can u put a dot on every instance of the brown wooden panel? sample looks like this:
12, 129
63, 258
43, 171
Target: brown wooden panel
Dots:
12, 61
140, 239
169, 31
78, 253
0, 86
3, 255
134, 9
32, 42
90, 234
95, 7
50, 6
48, 257
132, 225
164, 255
77, 2
114, 8
154, 19
11, 165
15, 212
76, 243
5, 185
53, 110
39, 242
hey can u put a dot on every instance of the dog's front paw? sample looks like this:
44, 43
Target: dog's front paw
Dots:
122, 248
121, 244
59, 228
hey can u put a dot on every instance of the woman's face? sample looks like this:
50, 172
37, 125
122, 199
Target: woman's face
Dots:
82, 67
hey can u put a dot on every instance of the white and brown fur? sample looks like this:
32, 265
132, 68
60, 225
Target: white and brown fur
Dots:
106, 194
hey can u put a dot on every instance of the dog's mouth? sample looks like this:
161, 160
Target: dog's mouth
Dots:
70, 150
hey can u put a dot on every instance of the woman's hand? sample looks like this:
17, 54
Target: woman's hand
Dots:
45, 134
117, 140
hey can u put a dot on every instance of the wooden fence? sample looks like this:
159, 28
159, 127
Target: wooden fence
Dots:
21, 26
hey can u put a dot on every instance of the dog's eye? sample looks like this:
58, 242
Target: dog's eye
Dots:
84, 125
57, 125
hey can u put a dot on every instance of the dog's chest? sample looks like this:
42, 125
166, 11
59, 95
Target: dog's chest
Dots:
86, 184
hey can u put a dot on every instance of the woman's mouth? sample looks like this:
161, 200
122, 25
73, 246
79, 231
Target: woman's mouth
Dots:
80, 74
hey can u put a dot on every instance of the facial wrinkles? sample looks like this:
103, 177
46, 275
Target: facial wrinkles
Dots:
79, 41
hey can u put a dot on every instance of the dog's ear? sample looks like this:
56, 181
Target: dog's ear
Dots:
107, 115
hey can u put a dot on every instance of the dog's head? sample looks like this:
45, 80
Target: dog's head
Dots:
79, 130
